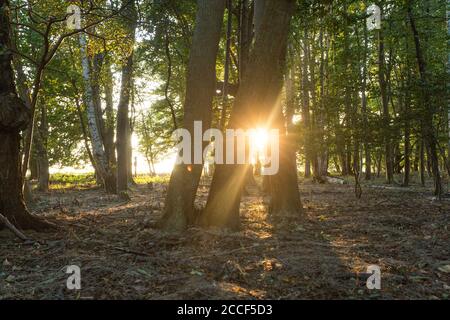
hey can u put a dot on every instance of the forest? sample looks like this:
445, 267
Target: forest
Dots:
224, 150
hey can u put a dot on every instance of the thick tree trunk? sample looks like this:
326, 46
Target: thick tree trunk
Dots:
26, 96
258, 16
123, 122
245, 36
257, 99
14, 117
200, 89
283, 187
284, 191
123, 128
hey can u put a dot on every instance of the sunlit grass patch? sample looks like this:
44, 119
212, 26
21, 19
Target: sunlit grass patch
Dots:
61, 181
145, 178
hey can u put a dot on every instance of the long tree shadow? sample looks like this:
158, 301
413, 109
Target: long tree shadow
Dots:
271, 258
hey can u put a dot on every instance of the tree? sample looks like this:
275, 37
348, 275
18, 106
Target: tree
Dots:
427, 105
14, 117
200, 87
256, 104
123, 127
105, 171
382, 78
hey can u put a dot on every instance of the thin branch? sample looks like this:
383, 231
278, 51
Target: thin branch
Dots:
13, 229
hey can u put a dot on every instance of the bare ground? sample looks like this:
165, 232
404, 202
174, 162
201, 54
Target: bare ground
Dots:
318, 255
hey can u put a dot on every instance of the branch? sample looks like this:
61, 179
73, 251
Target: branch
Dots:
26, 57
29, 26
11, 227
52, 52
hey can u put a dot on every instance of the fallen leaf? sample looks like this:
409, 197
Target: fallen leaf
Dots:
196, 273
445, 269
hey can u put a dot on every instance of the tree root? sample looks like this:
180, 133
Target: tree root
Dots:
14, 230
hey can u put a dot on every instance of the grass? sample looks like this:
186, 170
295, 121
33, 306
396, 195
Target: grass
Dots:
62, 181
145, 178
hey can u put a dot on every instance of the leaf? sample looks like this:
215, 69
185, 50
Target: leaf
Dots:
144, 272
445, 269
196, 273
10, 278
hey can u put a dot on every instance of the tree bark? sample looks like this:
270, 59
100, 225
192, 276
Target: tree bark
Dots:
14, 117
422, 163
41, 151
306, 106
428, 108
368, 157
226, 80
200, 90
385, 108
245, 36
448, 89
256, 101
407, 128
104, 170
123, 121
110, 119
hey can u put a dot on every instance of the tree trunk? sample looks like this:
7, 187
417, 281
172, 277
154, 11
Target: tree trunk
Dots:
200, 90
99, 155
223, 118
85, 136
259, 7
407, 129
97, 65
428, 108
284, 191
256, 100
14, 117
130, 153
34, 171
110, 119
448, 105
385, 108
245, 36
306, 106
41, 151
123, 121
368, 166
283, 187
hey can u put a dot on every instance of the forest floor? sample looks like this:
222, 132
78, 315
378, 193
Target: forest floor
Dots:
318, 255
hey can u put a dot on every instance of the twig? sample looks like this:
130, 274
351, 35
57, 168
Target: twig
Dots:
132, 252
11, 227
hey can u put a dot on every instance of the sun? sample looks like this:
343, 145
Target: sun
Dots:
259, 139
